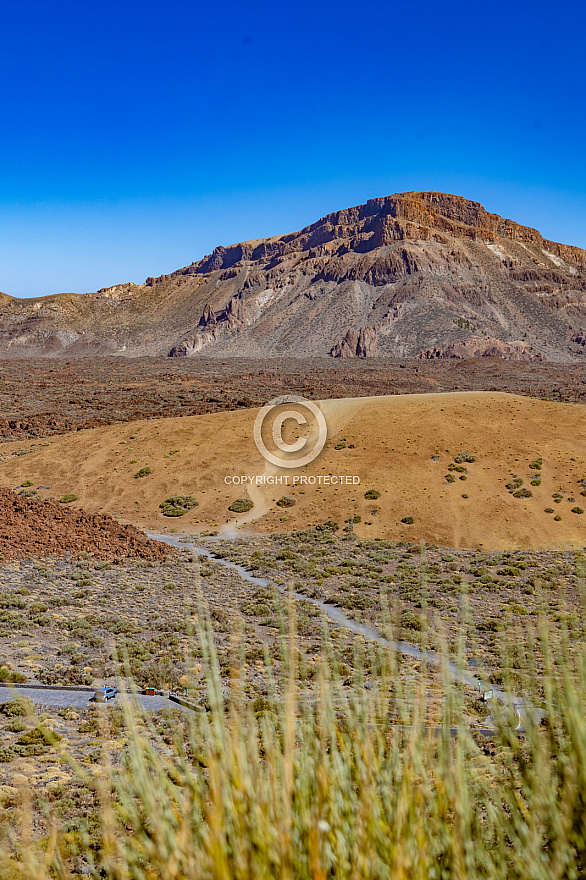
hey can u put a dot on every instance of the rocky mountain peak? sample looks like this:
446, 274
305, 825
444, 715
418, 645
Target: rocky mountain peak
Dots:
405, 275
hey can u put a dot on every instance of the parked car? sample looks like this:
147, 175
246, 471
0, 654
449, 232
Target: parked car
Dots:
102, 695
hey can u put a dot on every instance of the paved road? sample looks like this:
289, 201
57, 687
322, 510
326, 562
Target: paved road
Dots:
79, 699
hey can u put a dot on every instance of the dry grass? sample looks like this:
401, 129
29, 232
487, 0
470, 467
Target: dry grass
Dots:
349, 785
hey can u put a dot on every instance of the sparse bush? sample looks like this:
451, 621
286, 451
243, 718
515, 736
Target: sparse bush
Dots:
330, 525
286, 501
11, 675
241, 505
408, 520
464, 456
68, 498
18, 708
177, 505
523, 493
409, 620
143, 472
372, 494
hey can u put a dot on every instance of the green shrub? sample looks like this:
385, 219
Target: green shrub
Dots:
536, 464
514, 484
523, 493
241, 505
40, 735
464, 456
26, 484
17, 708
577, 510
372, 494
177, 505
67, 499
409, 620
7, 754
143, 472
286, 501
11, 675
450, 478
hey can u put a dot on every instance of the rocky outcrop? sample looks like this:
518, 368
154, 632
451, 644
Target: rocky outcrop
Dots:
31, 527
212, 325
361, 344
424, 272
479, 346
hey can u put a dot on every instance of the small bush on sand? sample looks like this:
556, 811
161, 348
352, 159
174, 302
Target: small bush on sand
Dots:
177, 505
241, 505
286, 501
143, 472
67, 499
464, 456
372, 494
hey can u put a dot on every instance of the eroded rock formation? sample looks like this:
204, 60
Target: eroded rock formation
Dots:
424, 271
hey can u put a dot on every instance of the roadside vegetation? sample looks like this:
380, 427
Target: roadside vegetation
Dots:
352, 783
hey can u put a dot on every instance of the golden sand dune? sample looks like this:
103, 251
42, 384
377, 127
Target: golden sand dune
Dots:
392, 445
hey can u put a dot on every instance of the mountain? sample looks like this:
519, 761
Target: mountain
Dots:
419, 274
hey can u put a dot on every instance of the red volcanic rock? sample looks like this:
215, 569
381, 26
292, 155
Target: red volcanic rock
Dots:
30, 527
479, 346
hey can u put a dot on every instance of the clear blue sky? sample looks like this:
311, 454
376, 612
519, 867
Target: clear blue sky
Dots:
135, 137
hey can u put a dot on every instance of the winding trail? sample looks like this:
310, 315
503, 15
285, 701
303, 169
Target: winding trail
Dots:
523, 709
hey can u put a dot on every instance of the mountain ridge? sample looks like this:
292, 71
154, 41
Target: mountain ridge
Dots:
416, 274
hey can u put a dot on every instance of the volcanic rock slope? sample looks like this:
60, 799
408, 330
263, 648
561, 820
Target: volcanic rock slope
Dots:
419, 274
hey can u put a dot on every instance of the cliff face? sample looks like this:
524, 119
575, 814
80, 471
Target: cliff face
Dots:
399, 276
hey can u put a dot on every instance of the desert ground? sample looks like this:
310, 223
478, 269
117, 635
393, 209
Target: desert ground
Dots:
404, 447
464, 536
